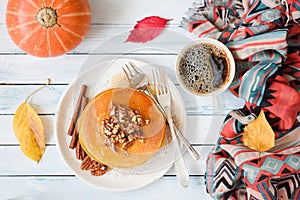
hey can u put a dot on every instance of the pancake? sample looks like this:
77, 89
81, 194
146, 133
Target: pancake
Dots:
94, 141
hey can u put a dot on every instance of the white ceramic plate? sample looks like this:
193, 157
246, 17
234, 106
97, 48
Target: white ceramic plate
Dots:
98, 78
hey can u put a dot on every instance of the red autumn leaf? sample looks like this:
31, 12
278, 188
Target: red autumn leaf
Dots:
147, 29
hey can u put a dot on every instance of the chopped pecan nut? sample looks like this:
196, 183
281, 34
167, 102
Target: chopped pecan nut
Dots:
96, 168
85, 165
94, 165
98, 172
123, 126
126, 145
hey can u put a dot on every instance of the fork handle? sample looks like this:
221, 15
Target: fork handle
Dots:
179, 164
189, 147
179, 134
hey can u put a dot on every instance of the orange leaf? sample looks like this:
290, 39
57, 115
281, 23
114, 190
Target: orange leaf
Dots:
259, 135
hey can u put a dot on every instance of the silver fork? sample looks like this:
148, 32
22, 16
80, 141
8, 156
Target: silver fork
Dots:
164, 98
140, 81
137, 79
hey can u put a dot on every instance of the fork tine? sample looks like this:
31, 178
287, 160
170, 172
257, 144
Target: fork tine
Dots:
155, 80
126, 71
129, 70
159, 82
163, 82
134, 67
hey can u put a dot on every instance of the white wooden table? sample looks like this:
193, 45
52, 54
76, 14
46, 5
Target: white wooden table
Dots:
21, 178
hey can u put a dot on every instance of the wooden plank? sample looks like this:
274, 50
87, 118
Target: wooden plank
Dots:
50, 164
62, 70
46, 100
70, 188
105, 39
53, 164
199, 129
129, 11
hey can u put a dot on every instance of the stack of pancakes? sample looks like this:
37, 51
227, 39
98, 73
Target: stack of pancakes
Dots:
92, 138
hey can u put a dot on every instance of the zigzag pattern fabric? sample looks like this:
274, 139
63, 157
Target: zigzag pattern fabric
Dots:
264, 37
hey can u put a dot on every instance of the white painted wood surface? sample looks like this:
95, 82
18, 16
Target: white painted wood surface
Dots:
21, 178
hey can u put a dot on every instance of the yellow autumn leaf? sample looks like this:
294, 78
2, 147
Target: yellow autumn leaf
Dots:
29, 130
258, 134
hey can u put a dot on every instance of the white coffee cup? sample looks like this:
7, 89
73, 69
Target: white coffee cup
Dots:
205, 67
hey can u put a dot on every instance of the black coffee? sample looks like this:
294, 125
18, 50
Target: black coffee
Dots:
203, 68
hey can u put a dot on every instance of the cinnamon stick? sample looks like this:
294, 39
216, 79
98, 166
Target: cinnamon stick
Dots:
74, 140
78, 149
82, 153
76, 111
84, 102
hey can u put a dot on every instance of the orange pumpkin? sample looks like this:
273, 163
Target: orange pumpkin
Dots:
47, 28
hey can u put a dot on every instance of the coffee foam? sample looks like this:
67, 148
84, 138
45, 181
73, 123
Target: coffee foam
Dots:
203, 68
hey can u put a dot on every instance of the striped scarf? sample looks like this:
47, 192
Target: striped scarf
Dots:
264, 37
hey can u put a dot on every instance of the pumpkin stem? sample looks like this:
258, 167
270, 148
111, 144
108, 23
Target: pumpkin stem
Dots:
47, 17
49, 80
